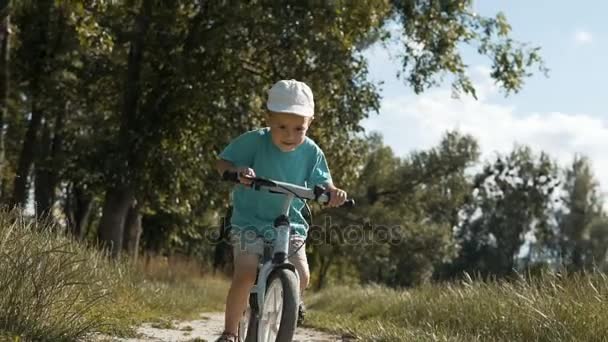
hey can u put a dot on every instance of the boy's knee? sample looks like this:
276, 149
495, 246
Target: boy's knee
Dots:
244, 279
303, 274
245, 270
304, 279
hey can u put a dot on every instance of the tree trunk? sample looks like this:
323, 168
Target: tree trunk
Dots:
35, 77
323, 269
222, 255
42, 186
46, 167
26, 159
5, 21
85, 206
132, 230
56, 152
78, 209
111, 228
577, 257
120, 196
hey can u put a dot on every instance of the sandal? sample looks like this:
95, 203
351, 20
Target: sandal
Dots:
301, 314
227, 337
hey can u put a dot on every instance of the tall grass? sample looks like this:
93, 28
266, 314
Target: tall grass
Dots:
548, 308
49, 285
53, 288
175, 287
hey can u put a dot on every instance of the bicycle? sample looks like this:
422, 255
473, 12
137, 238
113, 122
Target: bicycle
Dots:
272, 310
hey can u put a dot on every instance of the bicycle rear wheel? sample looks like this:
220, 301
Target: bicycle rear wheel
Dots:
280, 312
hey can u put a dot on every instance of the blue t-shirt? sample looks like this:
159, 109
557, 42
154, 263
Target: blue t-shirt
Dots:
257, 210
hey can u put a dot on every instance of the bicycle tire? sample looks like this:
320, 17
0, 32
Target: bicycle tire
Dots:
248, 325
290, 301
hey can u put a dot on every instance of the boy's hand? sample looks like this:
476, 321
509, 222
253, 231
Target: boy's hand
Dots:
245, 175
337, 197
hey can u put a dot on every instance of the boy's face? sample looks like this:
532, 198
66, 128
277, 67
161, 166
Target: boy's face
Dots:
288, 131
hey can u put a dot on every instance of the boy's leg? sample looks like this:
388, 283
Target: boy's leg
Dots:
298, 259
246, 257
300, 262
245, 266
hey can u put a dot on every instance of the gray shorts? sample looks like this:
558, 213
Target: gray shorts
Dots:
245, 244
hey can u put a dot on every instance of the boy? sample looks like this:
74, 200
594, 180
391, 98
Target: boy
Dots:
281, 152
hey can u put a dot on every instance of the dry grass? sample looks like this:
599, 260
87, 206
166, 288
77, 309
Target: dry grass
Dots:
547, 308
56, 289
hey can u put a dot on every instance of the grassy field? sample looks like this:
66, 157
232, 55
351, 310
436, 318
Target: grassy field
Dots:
548, 308
55, 289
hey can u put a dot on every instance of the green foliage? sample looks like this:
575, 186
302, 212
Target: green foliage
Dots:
401, 231
433, 33
597, 243
142, 95
167, 233
512, 198
581, 223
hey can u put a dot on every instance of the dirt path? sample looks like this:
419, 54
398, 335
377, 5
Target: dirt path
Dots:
208, 328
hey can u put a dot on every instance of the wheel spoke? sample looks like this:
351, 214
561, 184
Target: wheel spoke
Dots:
272, 311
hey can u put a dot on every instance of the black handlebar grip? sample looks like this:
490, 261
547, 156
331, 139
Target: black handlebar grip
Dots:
349, 203
230, 176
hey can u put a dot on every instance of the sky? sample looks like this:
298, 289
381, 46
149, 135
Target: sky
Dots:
562, 114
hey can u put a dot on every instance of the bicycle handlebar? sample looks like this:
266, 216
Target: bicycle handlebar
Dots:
318, 194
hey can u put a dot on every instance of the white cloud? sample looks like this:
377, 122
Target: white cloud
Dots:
418, 122
583, 37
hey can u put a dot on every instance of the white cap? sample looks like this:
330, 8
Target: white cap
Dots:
291, 96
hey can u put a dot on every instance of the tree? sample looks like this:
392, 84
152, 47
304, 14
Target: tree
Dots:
407, 209
33, 56
512, 198
47, 60
581, 218
168, 117
120, 193
597, 256
433, 32
128, 103
5, 30
329, 247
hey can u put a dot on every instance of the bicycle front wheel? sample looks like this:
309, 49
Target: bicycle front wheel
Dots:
248, 325
280, 312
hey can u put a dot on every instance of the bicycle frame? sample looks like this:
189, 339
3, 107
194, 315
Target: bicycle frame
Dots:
277, 260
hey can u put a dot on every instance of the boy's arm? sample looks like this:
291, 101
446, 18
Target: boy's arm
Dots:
320, 175
244, 172
337, 197
222, 166
241, 152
